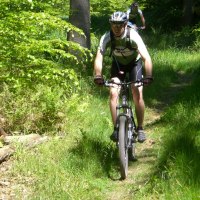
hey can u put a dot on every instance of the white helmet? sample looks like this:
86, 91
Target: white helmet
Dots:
118, 17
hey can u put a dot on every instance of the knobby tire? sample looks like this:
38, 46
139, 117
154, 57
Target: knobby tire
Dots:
123, 149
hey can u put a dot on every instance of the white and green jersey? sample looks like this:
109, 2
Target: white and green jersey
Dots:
132, 14
122, 53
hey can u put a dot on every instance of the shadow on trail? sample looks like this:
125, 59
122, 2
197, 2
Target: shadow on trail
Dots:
169, 83
97, 157
181, 142
100, 158
147, 152
184, 151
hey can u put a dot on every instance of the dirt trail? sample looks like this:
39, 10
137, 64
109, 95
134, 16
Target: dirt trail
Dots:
10, 186
140, 171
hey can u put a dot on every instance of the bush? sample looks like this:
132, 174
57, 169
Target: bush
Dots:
35, 49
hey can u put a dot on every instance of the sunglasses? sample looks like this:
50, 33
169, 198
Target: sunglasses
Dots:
117, 24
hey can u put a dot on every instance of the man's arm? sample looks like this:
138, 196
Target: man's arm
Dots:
148, 65
148, 68
145, 57
142, 19
98, 63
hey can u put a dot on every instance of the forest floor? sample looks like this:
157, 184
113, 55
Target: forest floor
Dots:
139, 171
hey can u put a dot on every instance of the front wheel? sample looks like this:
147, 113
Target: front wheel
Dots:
123, 147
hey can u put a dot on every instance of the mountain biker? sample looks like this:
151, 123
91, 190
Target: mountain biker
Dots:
132, 13
124, 61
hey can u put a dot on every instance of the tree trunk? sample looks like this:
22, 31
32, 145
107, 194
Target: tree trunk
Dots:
187, 12
80, 17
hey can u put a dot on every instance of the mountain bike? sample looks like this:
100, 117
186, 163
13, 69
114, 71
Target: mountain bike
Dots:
125, 124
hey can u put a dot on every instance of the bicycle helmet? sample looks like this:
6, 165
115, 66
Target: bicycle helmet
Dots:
135, 4
119, 17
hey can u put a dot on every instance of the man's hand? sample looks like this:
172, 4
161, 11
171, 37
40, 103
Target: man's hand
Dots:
99, 80
147, 80
140, 27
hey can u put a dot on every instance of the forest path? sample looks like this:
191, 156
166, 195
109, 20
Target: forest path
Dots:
140, 171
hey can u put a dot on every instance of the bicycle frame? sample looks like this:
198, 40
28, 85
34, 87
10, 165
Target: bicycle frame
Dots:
126, 127
124, 109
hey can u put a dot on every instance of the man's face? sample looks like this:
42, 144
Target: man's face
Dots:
134, 8
118, 28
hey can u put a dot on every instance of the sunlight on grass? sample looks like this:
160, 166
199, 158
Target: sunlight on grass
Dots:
82, 162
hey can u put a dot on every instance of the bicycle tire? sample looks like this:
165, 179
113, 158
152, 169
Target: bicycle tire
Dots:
123, 147
132, 153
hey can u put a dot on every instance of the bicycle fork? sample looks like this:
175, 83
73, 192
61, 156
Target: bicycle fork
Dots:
130, 129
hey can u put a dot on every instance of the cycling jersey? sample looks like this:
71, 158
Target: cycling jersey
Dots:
121, 53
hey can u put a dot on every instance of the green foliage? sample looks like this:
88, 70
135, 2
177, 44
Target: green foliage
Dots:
197, 33
38, 66
50, 98
185, 38
54, 7
107, 7
44, 110
28, 111
35, 49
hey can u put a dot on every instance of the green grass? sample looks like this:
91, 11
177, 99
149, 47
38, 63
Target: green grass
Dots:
78, 165
83, 163
178, 165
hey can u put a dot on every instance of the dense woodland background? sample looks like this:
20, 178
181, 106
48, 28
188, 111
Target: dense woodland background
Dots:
36, 54
46, 87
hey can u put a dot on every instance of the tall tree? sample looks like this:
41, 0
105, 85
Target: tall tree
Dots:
80, 17
187, 12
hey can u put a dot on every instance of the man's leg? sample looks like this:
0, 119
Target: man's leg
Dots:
114, 92
139, 109
113, 104
139, 104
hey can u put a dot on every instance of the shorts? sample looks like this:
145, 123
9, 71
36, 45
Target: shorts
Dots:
133, 70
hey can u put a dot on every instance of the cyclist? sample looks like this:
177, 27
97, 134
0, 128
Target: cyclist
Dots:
132, 13
124, 61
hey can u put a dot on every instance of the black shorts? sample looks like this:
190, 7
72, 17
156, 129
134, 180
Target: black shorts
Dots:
134, 70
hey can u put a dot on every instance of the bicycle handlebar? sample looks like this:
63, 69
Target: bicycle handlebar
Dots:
109, 83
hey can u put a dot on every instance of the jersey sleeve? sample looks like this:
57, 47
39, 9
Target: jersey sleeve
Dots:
136, 39
104, 42
140, 12
128, 13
